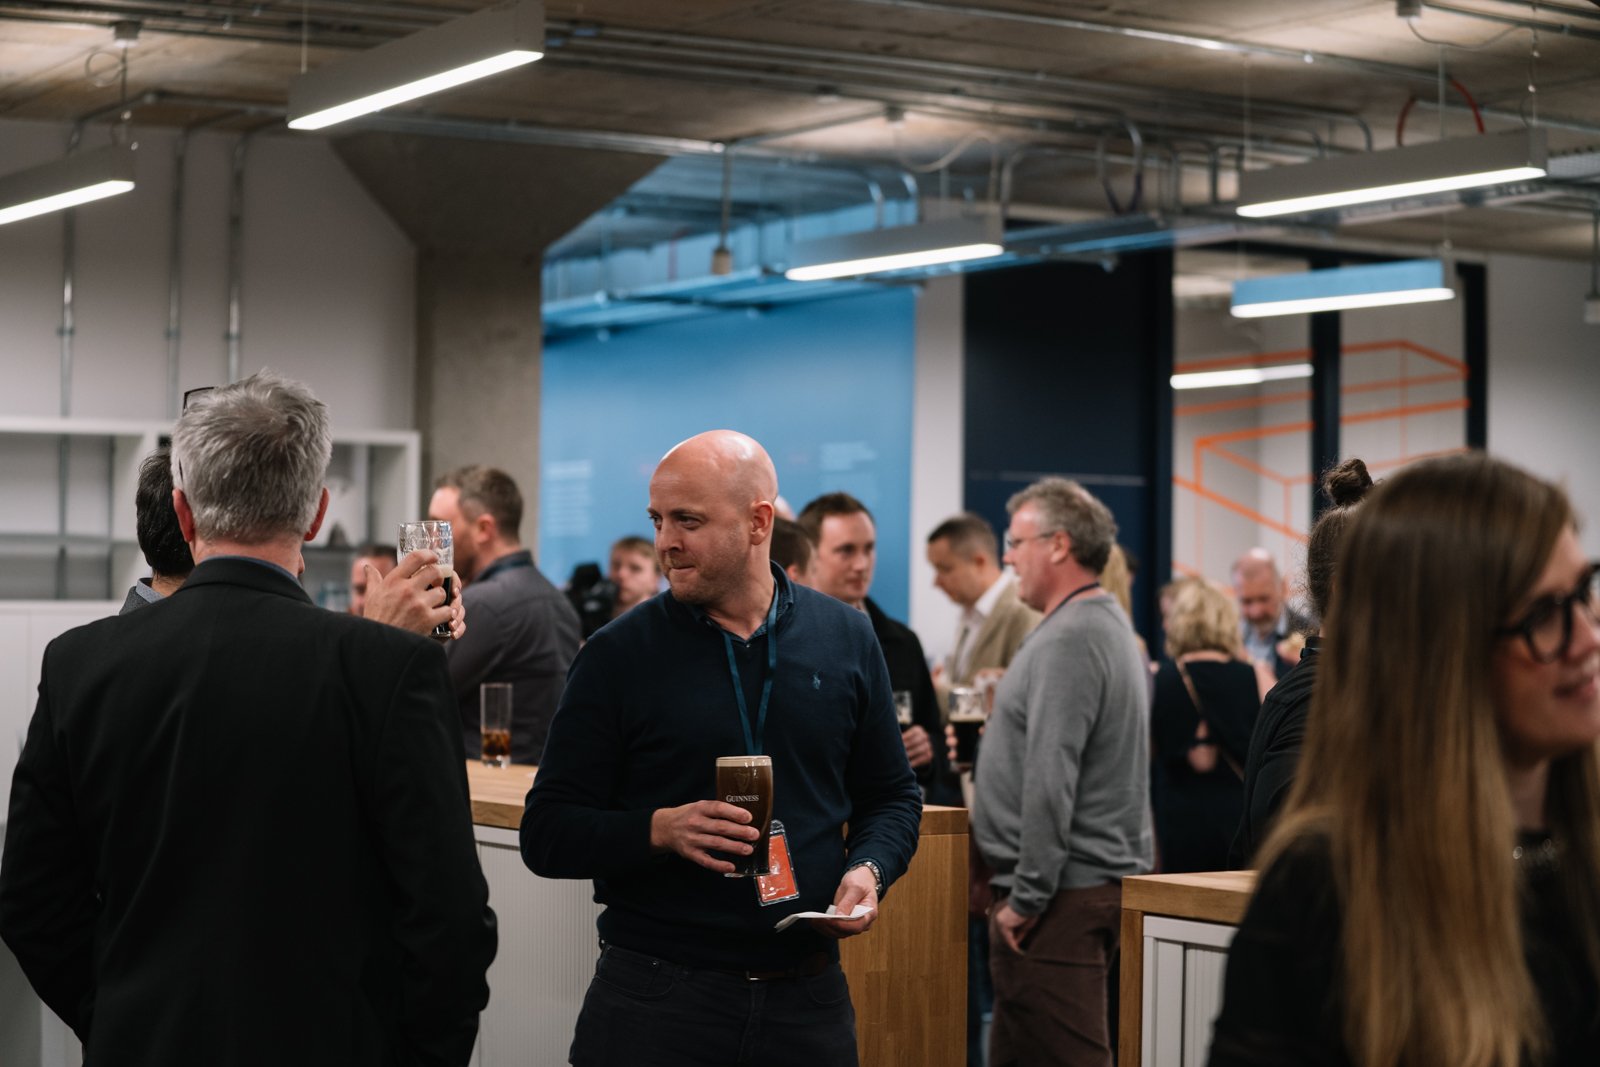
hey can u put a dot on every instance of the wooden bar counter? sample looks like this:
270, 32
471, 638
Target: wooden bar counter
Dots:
908, 975
1175, 933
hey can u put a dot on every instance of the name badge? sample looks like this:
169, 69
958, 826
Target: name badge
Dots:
778, 884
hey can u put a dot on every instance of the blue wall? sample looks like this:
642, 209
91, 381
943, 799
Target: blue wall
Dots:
826, 387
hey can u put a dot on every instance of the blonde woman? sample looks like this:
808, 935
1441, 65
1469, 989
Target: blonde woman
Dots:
1431, 894
1203, 707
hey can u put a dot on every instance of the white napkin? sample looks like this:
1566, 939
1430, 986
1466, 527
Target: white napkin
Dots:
860, 911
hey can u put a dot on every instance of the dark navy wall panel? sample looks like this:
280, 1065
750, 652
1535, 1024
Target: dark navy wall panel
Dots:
826, 387
1066, 373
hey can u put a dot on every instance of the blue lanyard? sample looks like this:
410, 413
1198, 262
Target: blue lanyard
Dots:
752, 744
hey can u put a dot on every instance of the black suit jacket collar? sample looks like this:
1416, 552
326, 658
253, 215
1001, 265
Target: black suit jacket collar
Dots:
243, 572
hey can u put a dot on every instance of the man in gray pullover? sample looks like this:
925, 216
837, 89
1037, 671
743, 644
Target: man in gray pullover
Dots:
1061, 812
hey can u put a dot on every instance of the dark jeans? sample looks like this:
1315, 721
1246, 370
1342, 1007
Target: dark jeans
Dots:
1050, 1001
645, 1012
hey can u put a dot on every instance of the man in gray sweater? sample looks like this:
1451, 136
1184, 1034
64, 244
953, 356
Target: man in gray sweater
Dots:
1061, 812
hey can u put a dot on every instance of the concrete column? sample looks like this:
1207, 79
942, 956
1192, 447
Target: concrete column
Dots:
477, 387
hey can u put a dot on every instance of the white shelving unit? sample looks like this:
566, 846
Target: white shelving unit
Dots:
68, 530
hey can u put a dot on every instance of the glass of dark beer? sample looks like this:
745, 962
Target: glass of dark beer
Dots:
967, 716
494, 710
902, 708
746, 782
428, 533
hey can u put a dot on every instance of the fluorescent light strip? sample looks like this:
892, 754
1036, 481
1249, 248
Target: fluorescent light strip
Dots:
1389, 192
1341, 303
899, 261
1244, 376
366, 105
60, 201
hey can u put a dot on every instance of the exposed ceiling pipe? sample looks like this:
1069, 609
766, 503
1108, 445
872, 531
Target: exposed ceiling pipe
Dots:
935, 76
1155, 98
236, 256
1558, 29
1186, 40
242, 24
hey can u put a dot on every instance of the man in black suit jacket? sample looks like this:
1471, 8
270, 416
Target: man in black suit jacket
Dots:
846, 541
239, 829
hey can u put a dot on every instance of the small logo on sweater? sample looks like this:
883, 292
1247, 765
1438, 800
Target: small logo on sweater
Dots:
816, 679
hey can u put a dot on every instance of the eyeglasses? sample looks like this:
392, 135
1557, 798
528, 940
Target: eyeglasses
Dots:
195, 394
1547, 626
1013, 542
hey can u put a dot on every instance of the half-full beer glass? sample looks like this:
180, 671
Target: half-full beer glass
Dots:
494, 710
746, 782
428, 533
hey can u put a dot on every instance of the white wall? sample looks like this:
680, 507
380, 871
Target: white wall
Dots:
937, 459
1544, 378
328, 282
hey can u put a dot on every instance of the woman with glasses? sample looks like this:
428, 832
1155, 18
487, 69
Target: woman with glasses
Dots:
1431, 894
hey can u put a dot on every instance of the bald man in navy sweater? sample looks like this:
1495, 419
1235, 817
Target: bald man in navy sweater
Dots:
733, 660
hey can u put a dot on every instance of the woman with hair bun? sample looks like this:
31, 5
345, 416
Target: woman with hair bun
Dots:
1430, 896
1280, 729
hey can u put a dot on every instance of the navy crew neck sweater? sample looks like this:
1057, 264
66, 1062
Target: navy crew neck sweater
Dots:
649, 706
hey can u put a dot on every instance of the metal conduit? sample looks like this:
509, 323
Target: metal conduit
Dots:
235, 254
591, 51
830, 61
175, 273
1558, 29
204, 20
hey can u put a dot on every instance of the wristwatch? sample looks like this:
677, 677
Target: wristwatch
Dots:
877, 874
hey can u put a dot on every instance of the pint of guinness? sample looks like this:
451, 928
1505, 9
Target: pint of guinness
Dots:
746, 782
967, 716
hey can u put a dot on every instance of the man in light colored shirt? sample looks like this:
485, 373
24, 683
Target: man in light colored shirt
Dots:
965, 557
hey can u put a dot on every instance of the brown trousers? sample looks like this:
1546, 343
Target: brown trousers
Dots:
1050, 1001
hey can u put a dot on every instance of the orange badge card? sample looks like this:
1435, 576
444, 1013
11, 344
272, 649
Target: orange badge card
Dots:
779, 885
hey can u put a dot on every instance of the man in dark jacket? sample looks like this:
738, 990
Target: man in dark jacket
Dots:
239, 829
846, 558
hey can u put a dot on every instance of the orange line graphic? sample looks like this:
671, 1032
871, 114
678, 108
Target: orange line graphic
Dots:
1238, 509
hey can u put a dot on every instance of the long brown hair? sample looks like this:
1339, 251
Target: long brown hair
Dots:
1402, 774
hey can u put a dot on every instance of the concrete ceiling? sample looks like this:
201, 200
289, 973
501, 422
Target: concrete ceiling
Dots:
817, 93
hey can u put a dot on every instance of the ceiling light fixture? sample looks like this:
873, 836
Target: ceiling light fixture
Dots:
1411, 281
923, 244
65, 183
459, 51
1368, 177
1212, 379
1591, 303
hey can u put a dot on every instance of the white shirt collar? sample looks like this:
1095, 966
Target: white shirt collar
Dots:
991, 596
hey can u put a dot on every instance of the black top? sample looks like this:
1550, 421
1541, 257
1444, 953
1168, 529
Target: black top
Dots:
240, 833
1274, 754
648, 709
1282, 1000
521, 630
1195, 813
908, 670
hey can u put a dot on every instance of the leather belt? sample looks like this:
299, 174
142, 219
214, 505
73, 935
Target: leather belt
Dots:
810, 967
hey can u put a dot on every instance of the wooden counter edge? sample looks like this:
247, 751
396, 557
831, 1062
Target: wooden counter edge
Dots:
497, 797
1219, 897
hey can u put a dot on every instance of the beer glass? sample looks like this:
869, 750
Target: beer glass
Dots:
967, 716
427, 533
746, 782
494, 710
902, 707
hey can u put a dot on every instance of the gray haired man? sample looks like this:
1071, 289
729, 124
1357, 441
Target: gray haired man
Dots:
1061, 812
266, 854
